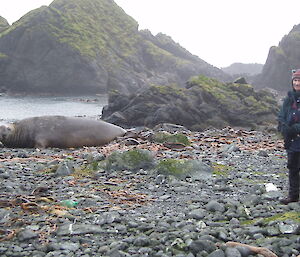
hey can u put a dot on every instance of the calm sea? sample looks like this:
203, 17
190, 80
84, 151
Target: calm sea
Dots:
16, 108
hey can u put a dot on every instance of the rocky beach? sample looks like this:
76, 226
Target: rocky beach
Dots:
183, 194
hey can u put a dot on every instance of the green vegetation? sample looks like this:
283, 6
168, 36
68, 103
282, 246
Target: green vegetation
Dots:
295, 35
130, 160
294, 216
167, 90
90, 27
93, 27
165, 137
50, 169
83, 172
175, 167
234, 96
89, 169
278, 50
162, 58
2, 55
3, 24
221, 169
183, 168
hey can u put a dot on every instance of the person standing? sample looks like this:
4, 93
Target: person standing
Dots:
289, 126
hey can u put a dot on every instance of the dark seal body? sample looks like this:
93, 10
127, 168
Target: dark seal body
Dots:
59, 132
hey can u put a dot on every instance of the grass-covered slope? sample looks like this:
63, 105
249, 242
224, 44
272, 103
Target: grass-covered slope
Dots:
91, 46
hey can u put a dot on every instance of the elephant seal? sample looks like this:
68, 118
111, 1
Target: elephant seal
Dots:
58, 132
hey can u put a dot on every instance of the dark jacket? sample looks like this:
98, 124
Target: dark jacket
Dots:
289, 116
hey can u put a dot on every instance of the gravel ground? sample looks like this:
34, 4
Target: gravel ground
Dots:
57, 202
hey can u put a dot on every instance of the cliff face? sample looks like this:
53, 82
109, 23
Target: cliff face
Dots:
282, 59
90, 46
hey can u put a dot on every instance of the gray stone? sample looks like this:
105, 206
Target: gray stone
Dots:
72, 247
141, 241
79, 229
273, 231
288, 228
245, 251
217, 253
215, 206
263, 153
17, 248
202, 245
27, 234
64, 169
232, 252
197, 214
4, 215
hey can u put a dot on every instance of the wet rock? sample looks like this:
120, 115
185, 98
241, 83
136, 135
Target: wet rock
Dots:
197, 214
232, 252
202, 245
64, 169
27, 234
130, 160
215, 206
217, 253
79, 229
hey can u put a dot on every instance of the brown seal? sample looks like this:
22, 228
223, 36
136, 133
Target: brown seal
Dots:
59, 132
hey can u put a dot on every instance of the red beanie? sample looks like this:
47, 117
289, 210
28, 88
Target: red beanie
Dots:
296, 74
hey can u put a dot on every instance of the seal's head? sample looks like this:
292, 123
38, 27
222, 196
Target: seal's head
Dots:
5, 131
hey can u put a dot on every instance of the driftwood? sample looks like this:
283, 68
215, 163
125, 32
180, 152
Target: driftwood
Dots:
258, 250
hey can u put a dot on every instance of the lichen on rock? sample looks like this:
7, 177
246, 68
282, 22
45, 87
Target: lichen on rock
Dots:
183, 168
130, 160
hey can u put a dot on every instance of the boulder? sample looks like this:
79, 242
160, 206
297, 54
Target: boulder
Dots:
240, 80
205, 102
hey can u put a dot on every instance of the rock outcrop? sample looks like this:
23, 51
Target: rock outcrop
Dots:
204, 102
3, 24
282, 59
90, 46
243, 68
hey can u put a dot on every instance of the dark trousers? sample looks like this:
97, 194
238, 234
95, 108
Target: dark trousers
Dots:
294, 167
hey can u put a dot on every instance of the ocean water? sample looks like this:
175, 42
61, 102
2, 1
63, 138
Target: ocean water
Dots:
17, 108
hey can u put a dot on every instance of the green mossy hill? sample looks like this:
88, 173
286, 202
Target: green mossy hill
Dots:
90, 27
281, 60
93, 27
91, 46
205, 102
3, 24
